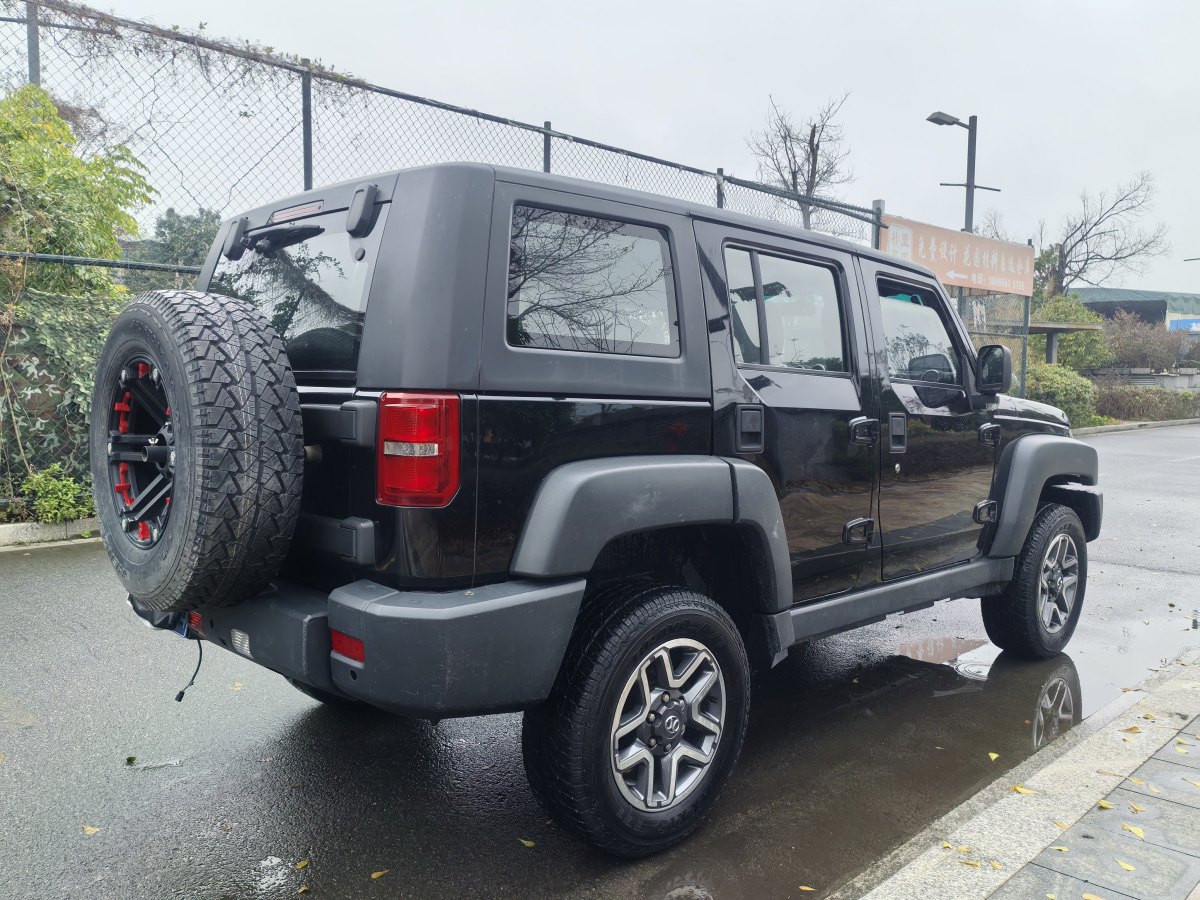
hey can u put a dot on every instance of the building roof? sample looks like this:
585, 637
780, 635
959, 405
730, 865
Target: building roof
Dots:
1175, 302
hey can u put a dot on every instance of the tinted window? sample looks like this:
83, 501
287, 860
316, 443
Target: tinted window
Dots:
305, 280
578, 282
799, 307
744, 306
918, 343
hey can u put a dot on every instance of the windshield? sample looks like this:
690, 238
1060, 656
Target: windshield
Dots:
312, 290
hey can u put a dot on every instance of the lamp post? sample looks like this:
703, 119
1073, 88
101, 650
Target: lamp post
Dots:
941, 118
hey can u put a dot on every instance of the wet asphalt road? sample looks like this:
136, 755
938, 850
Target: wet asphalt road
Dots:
856, 742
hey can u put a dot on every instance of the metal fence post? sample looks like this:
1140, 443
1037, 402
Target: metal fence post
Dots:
877, 226
546, 147
720, 188
306, 114
33, 48
1025, 345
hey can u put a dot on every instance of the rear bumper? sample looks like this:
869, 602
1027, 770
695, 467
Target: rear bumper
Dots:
489, 649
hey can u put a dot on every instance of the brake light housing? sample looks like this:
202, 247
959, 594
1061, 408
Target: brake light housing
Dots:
417, 449
344, 645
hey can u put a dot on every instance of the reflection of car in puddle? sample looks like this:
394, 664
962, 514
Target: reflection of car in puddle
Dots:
919, 728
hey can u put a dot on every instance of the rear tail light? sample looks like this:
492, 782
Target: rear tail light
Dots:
349, 647
196, 622
417, 451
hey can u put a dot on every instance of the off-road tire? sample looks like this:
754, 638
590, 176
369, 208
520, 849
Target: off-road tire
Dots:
566, 740
1011, 619
238, 449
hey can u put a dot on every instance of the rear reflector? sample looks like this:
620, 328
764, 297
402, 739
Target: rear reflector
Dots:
417, 457
196, 622
349, 647
240, 641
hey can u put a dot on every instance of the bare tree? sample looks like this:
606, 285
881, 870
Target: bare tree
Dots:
1102, 237
808, 160
992, 226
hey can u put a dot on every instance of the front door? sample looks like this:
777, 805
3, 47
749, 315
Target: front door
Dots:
937, 453
788, 344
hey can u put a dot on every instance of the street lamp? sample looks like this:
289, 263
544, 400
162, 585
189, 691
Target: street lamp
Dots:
941, 118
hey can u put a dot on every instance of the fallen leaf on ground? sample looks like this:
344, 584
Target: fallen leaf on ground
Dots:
1150, 717
1132, 729
1138, 781
1130, 689
1153, 789
236, 686
1124, 865
1194, 781
130, 760
303, 889
302, 864
1052, 897
946, 845
90, 829
1063, 825
1135, 831
1106, 772
993, 756
1180, 740
1135, 808
1179, 749
971, 862
1022, 790
3, 757
527, 843
805, 887
1091, 897
380, 873
995, 865
1062, 849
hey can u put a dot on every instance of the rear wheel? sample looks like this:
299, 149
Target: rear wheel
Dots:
1038, 611
645, 722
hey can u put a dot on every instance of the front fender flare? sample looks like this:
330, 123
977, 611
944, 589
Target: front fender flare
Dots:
1026, 466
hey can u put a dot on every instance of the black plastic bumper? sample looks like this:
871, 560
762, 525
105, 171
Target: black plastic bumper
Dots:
488, 649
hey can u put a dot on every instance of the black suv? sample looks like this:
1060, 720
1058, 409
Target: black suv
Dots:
463, 439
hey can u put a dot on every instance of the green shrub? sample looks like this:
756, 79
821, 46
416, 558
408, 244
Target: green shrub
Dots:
1079, 351
57, 497
1064, 388
1144, 404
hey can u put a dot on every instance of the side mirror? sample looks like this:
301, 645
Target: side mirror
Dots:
993, 369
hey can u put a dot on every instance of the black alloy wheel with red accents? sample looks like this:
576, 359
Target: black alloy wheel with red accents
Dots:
141, 450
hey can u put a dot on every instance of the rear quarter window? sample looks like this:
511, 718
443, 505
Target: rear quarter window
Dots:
305, 279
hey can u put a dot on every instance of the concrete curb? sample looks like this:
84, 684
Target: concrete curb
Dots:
1011, 828
20, 534
1133, 426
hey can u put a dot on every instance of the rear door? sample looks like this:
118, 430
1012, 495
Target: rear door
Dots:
936, 452
787, 348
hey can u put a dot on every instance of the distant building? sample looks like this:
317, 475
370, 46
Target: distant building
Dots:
1174, 311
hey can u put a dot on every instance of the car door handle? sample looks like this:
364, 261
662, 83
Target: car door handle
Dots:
897, 432
750, 428
864, 431
989, 434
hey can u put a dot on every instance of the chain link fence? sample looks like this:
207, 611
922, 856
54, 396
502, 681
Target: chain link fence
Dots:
223, 127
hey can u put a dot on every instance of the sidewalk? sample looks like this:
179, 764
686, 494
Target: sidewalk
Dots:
1053, 839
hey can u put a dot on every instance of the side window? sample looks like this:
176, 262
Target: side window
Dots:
793, 304
919, 347
743, 305
578, 282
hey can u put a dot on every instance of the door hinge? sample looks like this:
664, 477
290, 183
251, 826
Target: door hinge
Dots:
858, 531
864, 431
989, 434
986, 512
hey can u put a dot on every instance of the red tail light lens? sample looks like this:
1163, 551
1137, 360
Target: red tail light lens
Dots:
417, 451
349, 647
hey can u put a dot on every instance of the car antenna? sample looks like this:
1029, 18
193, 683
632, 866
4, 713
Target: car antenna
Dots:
200, 659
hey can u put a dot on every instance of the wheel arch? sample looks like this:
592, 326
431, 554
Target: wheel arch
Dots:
1037, 469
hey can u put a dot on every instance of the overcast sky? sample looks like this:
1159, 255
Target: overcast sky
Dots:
1070, 95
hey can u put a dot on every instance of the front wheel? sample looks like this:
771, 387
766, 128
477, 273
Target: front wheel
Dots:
645, 722
1038, 611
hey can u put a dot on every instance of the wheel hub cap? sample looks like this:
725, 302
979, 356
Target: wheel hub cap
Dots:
141, 452
1058, 583
667, 724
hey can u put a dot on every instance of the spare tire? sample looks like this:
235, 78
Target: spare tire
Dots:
197, 450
